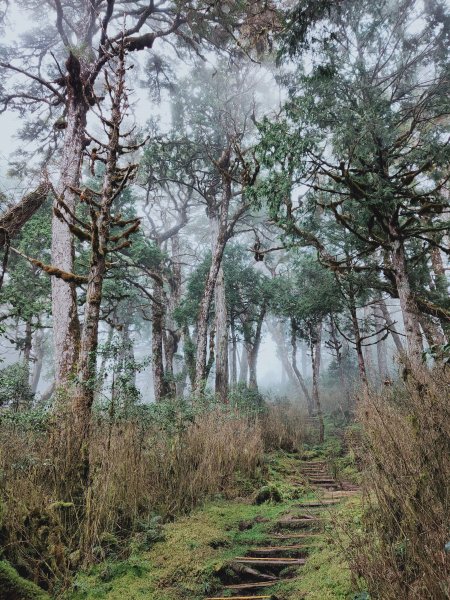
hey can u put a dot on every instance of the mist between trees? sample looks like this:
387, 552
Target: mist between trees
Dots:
217, 207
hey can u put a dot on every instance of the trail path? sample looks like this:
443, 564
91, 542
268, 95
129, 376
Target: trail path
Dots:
285, 551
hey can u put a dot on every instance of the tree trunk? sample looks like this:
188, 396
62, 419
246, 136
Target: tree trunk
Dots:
212, 352
210, 284
301, 381
337, 347
159, 385
410, 310
253, 351
233, 353
278, 336
243, 366
66, 327
38, 361
12, 221
358, 340
316, 340
101, 223
189, 354
432, 331
391, 326
381, 343
221, 384
304, 357
27, 345
367, 349
173, 333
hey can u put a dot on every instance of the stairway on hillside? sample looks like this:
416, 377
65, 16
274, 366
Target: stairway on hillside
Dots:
286, 548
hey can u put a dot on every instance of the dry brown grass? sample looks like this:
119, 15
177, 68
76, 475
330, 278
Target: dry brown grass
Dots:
406, 458
136, 471
284, 427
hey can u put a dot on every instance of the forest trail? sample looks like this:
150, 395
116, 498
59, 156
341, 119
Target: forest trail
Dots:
257, 574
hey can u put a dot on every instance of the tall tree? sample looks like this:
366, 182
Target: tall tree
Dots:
60, 69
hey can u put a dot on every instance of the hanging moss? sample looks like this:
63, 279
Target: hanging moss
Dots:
14, 587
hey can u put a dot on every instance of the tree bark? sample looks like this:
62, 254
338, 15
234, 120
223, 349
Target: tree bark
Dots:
315, 341
243, 365
432, 331
381, 347
367, 349
38, 361
390, 324
358, 340
301, 381
221, 383
101, 224
173, 332
410, 310
337, 346
28, 343
210, 284
159, 384
233, 355
253, 351
12, 221
66, 327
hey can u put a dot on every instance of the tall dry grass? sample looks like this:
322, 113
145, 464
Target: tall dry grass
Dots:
284, 426
137, 470
405, 452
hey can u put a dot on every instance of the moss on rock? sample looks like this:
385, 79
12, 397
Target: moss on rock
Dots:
14, 587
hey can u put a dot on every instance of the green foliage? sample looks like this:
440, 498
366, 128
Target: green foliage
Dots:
37, 420
15, 390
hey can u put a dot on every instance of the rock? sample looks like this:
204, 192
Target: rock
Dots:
268, 493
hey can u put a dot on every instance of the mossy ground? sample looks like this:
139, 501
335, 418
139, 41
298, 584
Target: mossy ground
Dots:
186, 564
14, 587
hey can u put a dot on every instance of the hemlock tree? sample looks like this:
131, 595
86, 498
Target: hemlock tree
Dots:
366, 131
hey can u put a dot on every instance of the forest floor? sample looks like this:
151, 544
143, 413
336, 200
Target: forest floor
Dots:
285, 541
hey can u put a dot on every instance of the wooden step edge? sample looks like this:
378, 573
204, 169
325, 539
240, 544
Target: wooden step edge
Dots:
294, 536
318, 504
265, 558
273, 561
256, 584
294, 521
278, 548
240, 598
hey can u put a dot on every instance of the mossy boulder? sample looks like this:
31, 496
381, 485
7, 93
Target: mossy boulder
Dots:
14, 587
268, 493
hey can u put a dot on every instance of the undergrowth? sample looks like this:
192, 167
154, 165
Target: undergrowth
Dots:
198, 548
148, 466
